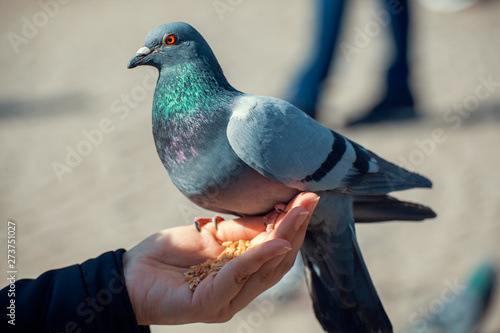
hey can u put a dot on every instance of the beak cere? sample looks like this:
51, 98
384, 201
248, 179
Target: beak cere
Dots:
141, 53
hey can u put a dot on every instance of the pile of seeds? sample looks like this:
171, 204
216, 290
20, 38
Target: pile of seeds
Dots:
195, 274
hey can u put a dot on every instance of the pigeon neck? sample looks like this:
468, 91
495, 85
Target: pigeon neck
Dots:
187, 88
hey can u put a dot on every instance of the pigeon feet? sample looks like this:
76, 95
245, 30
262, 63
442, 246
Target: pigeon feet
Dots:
271, 217
199, 222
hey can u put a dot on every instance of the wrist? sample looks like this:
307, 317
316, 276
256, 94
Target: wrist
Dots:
128, 269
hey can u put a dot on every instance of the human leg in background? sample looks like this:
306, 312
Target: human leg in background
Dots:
397, 102
306, 87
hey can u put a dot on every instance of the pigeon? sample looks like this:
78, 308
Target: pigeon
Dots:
461, 308
242, 154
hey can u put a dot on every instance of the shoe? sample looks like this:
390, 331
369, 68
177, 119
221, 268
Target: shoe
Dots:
393, 107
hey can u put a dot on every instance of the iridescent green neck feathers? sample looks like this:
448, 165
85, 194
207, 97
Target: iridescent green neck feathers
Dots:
188, 88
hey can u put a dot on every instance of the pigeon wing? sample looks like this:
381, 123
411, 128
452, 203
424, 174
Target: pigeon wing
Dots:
283, 143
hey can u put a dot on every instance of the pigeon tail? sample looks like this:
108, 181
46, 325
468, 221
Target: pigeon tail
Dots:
343, 301
343, 294
389, 178
380, 208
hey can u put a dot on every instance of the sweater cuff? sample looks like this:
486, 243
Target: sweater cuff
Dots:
108, 303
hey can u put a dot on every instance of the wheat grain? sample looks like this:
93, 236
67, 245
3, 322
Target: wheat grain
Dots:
195, 274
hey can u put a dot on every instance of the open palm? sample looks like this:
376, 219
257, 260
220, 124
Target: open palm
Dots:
154, 269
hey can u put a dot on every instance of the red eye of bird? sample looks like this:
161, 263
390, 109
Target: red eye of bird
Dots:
169, 39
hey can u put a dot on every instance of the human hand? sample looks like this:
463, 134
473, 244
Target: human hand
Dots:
154, 269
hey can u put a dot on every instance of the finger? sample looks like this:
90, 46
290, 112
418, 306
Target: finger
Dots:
272, 271
308, 200
294, 223
255, 271
241, 228
249, 227
266, 277
234, 275
292, 226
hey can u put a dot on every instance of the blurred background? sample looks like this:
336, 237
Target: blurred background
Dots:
80, 175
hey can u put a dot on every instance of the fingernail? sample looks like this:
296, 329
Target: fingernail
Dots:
283, 250
301, 217
313, 203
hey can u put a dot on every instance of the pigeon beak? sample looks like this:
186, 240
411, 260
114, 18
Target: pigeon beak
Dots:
139, 57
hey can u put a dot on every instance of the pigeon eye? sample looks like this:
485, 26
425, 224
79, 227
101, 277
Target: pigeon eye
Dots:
169, 39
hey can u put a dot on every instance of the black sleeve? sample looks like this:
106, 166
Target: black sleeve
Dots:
90, 297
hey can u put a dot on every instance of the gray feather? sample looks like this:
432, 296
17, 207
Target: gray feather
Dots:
343, 294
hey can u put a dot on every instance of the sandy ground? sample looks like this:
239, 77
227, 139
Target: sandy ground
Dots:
68, 76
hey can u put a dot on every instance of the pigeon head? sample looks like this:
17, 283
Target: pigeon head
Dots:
171, 44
